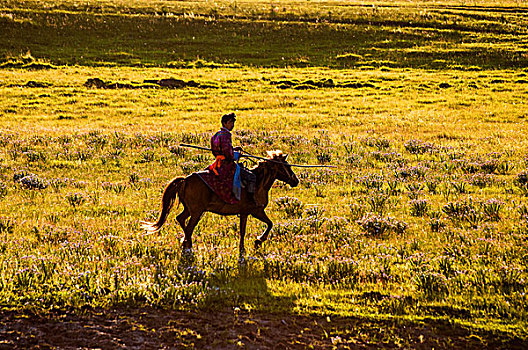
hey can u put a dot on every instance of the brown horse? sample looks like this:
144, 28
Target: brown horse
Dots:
198, 198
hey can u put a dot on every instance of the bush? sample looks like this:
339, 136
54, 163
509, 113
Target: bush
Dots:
76, 199
419, 147
33, 182
432, 284
291, 206
492, 208
419, 207
522, 178
377, 225
458, 210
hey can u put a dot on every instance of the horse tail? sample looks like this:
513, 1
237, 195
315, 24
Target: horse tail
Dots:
170, 196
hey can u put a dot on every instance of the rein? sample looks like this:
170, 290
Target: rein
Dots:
248, 155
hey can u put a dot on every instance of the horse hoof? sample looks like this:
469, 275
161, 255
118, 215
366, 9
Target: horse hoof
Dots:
258, 243
186, 245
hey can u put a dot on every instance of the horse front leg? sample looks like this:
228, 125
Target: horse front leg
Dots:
241, 249
261, 215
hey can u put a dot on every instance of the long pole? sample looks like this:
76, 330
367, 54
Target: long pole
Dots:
261, 158
193, 146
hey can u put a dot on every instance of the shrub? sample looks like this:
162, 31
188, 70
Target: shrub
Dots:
356, 211
57, 184
378, 202
489, 166
522, 178
419, 207
436, 223
32, 156
460, 187
470, 167
293, 207
410, 172
133, 178
315, 212
323, 156
458, 210
432, 186
481, 180
353, 159
432, 284
379, 142
492, 208
336, 224
33, 182
119, 187
474, 218
414, 190
178, 151
419, 147
371, 181
76, 199
505, 167
510, 279
394, 186
377, 225
521, 181
146, 156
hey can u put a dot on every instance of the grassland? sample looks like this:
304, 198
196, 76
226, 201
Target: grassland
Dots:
421, 106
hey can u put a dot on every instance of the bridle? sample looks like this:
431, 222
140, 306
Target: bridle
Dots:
289, 172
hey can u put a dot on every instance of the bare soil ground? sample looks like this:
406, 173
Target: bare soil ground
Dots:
148, 328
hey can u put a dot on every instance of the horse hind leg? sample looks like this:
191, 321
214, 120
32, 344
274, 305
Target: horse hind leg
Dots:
182, 217
189, 228
195, 199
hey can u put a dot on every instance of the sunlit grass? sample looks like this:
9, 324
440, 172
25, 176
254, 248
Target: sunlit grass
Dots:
424, 217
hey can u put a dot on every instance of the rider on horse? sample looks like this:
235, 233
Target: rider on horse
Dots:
223, 174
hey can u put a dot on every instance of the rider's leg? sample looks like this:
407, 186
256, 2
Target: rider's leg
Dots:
250, 179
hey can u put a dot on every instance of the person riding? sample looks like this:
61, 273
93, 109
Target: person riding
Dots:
224, 167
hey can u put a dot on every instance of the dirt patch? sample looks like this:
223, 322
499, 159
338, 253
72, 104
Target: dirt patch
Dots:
148, 328
323, 83
169, 83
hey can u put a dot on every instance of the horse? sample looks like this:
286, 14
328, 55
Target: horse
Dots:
197, 198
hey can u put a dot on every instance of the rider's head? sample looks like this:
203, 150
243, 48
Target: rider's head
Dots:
228, 121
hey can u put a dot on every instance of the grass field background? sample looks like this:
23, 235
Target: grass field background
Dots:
421, 105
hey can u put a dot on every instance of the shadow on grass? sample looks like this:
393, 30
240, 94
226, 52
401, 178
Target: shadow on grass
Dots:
251, 315
239, 288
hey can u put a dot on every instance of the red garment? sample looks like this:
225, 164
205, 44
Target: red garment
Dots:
217, 163
219, 175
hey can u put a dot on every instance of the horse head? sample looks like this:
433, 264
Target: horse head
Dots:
282, 168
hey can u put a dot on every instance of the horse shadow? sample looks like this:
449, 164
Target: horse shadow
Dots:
241, 287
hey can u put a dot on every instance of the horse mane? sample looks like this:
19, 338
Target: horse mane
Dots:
276, 154
260, 168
